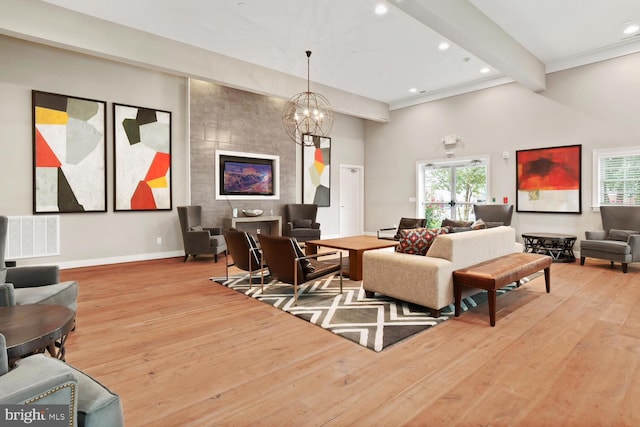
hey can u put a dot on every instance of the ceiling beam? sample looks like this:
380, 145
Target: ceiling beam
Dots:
463, 24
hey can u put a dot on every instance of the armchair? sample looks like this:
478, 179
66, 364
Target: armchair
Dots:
32, 284
619, 240
245, 252
196, 238
43, 380
287, 263
405, 224
494, 215
301, 222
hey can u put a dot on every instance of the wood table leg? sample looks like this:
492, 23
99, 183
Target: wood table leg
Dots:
457, 293
355, 264
310, 248
547, 278
491, 295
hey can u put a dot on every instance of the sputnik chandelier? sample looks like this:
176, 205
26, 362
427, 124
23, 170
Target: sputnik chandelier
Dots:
307, 113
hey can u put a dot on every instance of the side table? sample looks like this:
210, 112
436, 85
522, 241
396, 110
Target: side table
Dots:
558, 246
35, 328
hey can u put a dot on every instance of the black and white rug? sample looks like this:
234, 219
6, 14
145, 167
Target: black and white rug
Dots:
375, 323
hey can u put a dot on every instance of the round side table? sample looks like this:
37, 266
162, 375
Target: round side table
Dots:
558, 246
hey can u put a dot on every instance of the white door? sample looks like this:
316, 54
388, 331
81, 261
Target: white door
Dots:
351, 200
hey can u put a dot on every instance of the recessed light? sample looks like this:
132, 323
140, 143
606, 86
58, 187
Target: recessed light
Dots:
381, 9
484, 70
631, 28
443, 46
413, 90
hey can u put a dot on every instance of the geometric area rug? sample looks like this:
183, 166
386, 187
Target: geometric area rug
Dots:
375, 323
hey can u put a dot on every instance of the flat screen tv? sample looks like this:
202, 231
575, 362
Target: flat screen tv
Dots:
245, 175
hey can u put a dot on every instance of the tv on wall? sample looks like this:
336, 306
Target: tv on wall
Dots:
246, 175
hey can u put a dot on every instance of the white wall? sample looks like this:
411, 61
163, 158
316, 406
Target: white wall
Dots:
88, 238
596, 106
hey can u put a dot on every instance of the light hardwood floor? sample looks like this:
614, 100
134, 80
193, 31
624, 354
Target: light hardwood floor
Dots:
182, 350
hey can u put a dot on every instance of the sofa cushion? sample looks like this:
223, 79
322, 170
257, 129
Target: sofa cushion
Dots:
609, 246
417, 241
620, 235
301, 223
64, 293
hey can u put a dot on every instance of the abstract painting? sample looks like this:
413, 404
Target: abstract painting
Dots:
69, 151
549, 180
142, 158
316, 170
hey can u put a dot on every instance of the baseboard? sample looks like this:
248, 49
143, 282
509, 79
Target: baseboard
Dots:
118, 259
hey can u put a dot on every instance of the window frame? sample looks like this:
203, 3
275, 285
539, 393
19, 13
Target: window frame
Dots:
595, 179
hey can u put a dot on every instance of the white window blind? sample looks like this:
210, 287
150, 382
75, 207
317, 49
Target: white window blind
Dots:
616, 176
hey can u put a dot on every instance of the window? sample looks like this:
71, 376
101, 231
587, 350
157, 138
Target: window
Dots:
450, 188
616, 177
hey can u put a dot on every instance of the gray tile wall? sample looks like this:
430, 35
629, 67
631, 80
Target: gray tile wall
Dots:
230, 119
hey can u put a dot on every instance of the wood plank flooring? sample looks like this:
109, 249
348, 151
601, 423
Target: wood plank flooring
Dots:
181, 350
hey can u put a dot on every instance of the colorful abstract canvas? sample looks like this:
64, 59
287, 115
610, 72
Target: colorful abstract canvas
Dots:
69, 151
549, 180
142, 158
316, 171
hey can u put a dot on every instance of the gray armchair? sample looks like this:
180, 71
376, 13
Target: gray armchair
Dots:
618, 241
405, 224
43, 380
494, 215
196, 238
301, 222
32, 284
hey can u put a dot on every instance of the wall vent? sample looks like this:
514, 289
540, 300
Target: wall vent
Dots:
33, 236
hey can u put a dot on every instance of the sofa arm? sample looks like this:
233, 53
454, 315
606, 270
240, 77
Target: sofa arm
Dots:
634, 242
27, 277
7, 295
38, 379
595, 235
423, 280
288, 228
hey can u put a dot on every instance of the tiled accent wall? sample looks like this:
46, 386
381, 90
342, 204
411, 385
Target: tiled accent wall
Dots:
230, 119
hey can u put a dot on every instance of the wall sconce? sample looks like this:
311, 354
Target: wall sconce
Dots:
450, 142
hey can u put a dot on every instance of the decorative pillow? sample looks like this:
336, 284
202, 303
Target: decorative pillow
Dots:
455, 223
417, 241
306, 265
620, 235
197, 228
301, 223
409, 224
479, 224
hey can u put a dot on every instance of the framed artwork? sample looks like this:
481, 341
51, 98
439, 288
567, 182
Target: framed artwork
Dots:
548, 180
247, 176
142, 158
69, 152
316, 170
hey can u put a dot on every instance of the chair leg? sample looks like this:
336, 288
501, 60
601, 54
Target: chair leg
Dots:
612, 266
215, 258
185, 257
624, 267
581, 260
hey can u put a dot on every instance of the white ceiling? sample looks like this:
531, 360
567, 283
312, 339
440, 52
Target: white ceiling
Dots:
382, 57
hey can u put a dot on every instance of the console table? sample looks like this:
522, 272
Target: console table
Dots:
558, 246
273, 222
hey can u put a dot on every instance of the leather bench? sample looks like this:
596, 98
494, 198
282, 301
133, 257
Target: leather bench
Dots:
498, 272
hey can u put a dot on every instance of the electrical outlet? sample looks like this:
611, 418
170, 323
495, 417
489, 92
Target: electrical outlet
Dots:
159, 240
258, 231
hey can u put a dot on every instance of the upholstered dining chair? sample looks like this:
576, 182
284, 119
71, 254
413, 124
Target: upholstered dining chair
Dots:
196, 238
619, 239
32, 284
404, 224
494, 215
300, 222
245, 252
287, 263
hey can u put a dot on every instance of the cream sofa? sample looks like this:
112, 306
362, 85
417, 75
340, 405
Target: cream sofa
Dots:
427, 280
